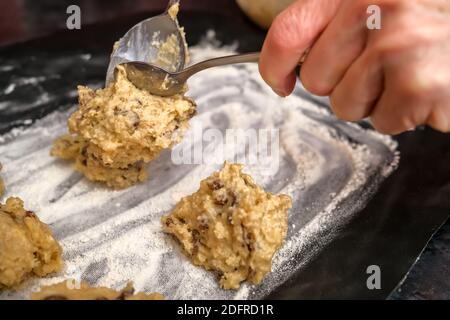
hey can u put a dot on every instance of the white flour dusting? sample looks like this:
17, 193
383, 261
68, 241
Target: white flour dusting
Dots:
109, 237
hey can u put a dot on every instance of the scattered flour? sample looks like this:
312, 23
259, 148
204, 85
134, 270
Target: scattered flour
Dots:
109, 237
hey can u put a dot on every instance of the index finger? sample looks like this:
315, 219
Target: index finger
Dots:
293, 31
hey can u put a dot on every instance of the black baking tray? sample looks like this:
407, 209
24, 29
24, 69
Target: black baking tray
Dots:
391, 231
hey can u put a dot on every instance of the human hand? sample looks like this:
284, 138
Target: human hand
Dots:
398, 75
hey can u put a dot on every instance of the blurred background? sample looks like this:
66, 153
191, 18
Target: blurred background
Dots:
22, 20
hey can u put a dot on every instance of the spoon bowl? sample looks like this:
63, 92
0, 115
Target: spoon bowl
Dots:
141, 44
138, 51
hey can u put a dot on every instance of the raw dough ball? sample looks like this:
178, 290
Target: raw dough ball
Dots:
127, 124
263, 11
73, 147
118, 129
231, 225
66, 290
27, 246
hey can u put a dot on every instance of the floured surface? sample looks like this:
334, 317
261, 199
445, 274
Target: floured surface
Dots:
109, 237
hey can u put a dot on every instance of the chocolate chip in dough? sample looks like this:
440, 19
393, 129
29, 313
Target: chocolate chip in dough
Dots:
195, 241
169, 222
30, 214
215, 184
125, 294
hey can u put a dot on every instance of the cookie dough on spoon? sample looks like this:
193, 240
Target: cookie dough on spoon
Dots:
118, 129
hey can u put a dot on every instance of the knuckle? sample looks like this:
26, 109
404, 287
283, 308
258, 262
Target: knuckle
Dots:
407, 122
380, 125
312, 82
393, 123
340, 109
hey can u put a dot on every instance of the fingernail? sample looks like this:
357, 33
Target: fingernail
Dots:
280, 92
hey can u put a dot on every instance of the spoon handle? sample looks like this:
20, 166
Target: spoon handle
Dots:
221, 61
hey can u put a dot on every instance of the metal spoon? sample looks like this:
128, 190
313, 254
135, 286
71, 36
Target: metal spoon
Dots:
164, 83
138, 49
140, 43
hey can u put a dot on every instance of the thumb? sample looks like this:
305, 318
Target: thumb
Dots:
293, 31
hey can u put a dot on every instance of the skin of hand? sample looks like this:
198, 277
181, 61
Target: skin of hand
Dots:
398, 75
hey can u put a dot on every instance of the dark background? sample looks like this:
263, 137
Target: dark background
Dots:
26, 19
409, 207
